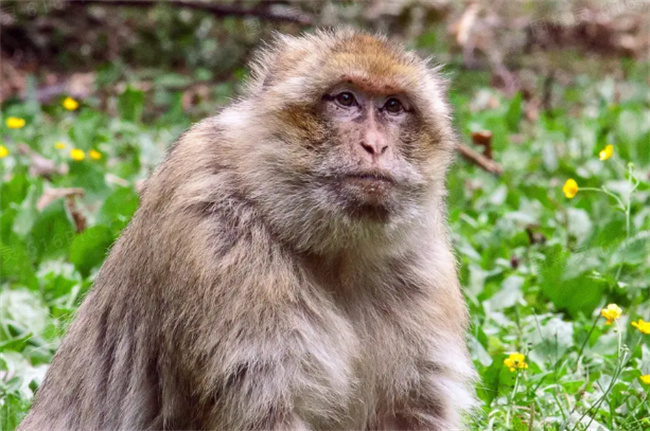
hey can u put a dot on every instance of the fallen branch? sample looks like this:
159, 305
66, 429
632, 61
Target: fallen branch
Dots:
51, 194
478, 159
270, 12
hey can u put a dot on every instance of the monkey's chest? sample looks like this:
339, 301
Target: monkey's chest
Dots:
386, 370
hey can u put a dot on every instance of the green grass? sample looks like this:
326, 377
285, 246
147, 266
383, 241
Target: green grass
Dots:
536, 266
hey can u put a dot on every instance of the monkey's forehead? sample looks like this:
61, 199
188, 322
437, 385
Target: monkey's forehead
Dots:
299, 70
374, 65
372, 72
326, 58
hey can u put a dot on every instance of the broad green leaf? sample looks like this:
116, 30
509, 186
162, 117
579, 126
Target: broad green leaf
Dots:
16, 265
632, 251
89, 248
51, 233
118, 208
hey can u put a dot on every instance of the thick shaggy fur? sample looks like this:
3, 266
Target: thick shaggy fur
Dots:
242, 297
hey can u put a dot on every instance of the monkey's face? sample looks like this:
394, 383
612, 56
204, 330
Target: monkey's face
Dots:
367, 161
357, 138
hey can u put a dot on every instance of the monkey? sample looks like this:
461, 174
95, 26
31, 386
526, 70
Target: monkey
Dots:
289, 266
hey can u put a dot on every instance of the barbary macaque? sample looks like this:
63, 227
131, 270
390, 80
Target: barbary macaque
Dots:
289, 266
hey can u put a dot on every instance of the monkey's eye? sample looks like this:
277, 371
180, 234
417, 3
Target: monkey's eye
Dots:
393, 106
346, 99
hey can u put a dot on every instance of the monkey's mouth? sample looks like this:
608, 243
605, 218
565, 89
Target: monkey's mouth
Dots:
370, 177
368, 193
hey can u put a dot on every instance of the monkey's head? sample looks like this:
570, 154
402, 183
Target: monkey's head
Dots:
355, 137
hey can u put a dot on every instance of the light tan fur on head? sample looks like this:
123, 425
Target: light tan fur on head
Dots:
288, 80
289, 266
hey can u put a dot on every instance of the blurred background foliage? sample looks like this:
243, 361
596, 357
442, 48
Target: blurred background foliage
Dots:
539, 88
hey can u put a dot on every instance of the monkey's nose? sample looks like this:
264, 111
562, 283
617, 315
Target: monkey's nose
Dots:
374, 148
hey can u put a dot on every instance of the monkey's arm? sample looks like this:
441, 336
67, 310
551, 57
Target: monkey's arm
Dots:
441, 374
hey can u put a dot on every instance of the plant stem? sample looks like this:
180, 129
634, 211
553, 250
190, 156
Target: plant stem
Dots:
512, 399
631, 414
617, 372
584, 343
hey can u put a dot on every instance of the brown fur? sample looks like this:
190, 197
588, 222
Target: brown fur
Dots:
242, 296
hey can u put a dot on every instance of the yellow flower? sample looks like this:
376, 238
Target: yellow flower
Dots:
70, 104
642, 326
516, 360
77, 154
570, 188
59, 145
15, 123
645, 379
4, 152
606, 153
611, 313
95, 155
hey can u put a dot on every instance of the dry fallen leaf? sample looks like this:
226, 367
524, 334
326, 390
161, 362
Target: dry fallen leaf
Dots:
39, 165
483, 138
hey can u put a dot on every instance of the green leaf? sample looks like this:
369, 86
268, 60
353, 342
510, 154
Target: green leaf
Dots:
118, 209
16, 264
130, 105
513, 115
632, 251
13, 409
51, 233
494, 378
21, 312
85, 129
510, 293
565, 278
89, 248
58, 281
14, 190
89, 176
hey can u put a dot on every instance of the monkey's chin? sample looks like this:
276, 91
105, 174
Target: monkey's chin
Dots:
372, 213
368, 199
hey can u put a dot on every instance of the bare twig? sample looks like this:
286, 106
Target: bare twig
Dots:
51, 194
78, 217
548, 91
268, 11
479, 159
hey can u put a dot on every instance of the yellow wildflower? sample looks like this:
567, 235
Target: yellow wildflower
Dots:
516, 360
645, 379
70, 104
642, 326
95, 155
15, 123
4, 152
611, 312
606, 153
77, 154
570, 188
59, 145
